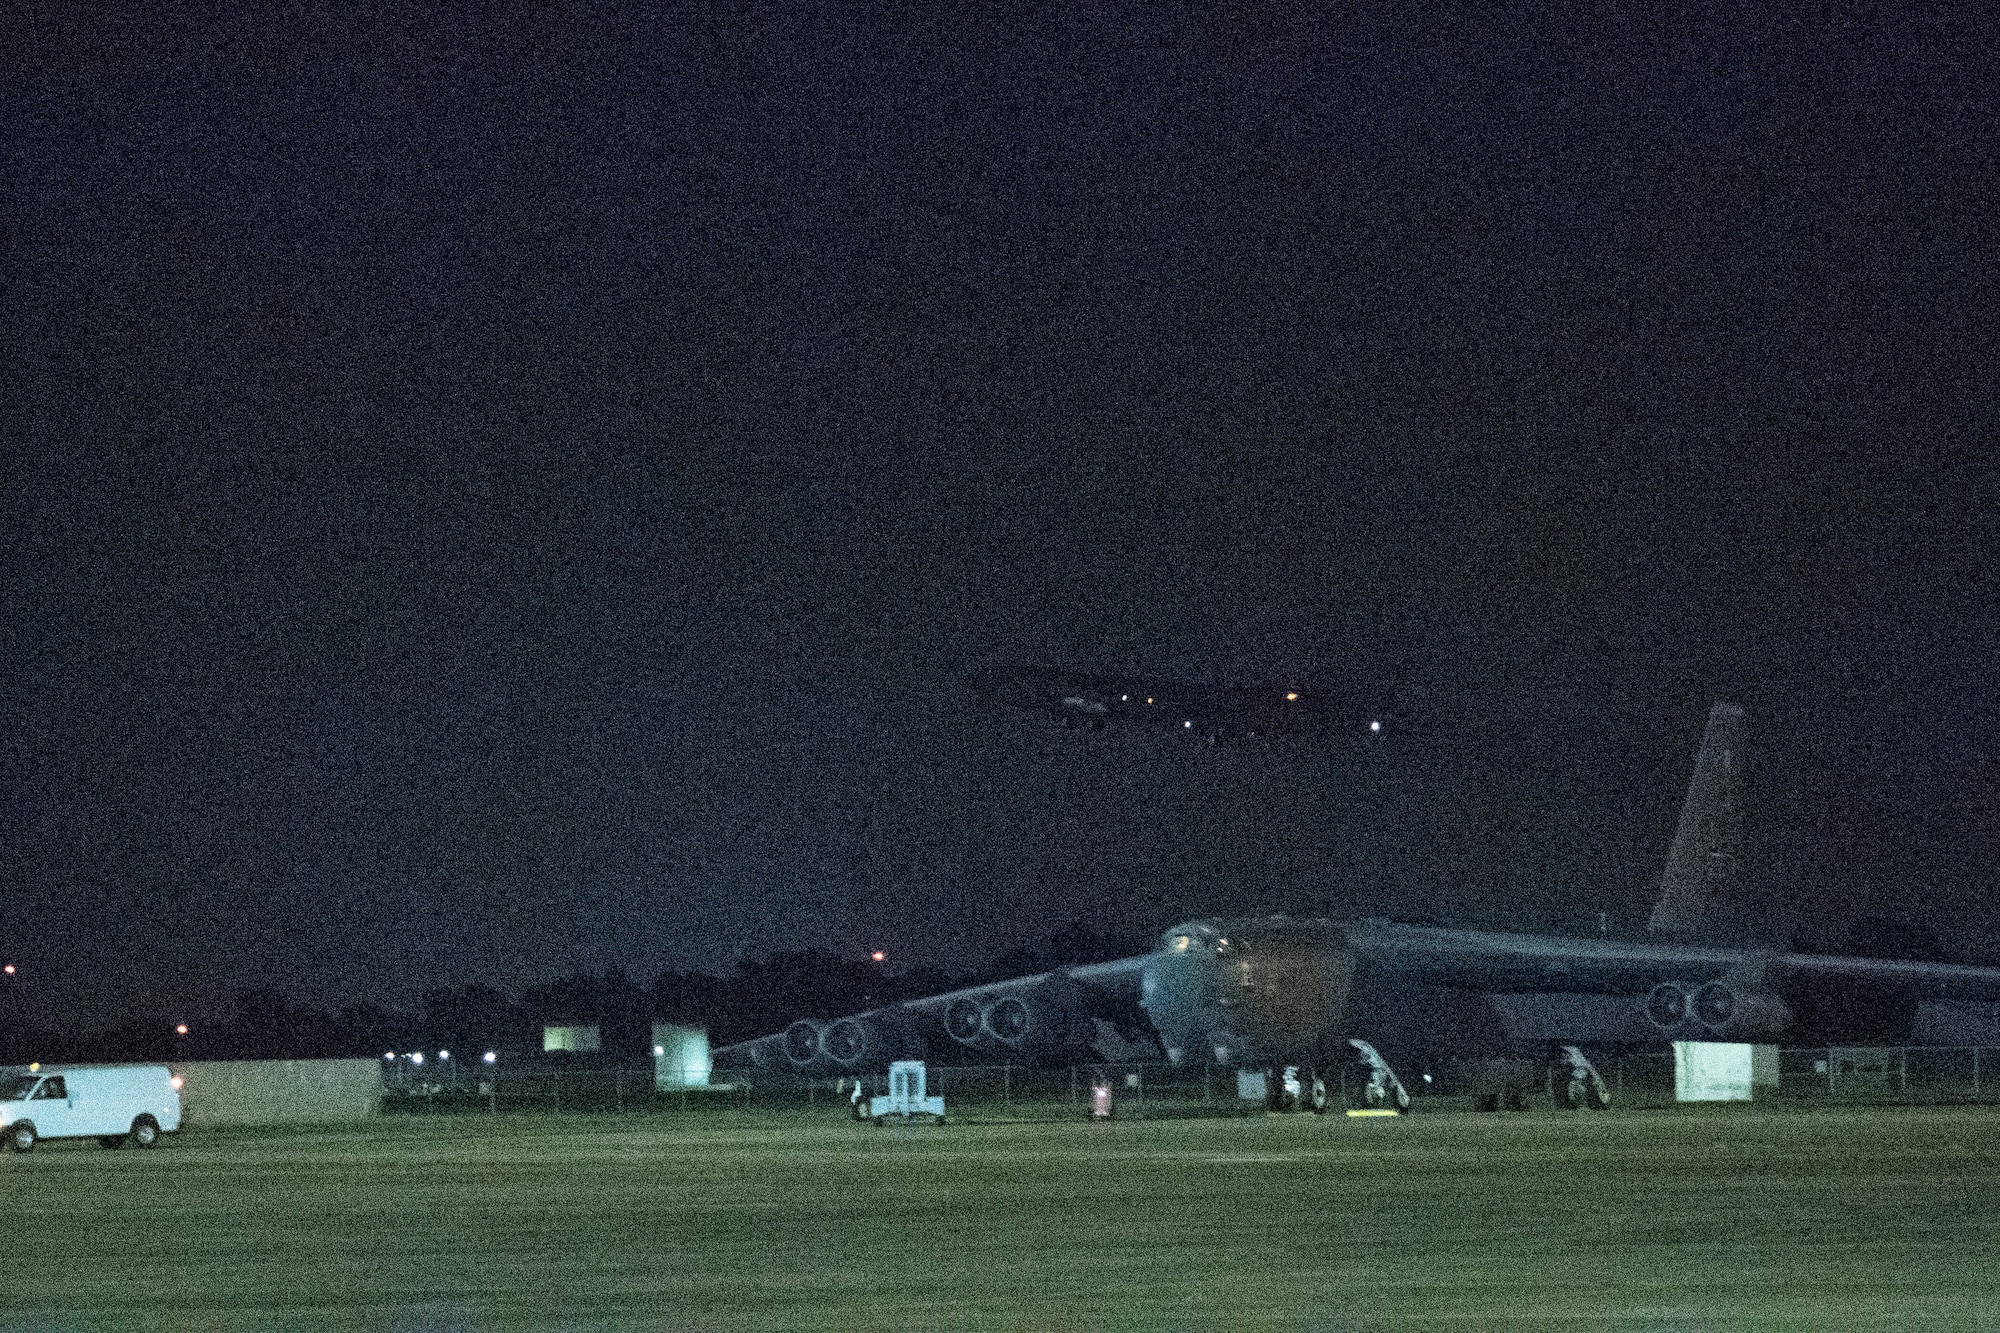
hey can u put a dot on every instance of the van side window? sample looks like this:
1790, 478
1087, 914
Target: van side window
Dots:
52, 1090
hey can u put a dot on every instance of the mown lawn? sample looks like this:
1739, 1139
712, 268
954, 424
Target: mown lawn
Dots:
1736, 1218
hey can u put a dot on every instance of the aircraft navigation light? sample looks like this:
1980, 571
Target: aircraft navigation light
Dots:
181, 1029
1124, 698
1149, 698
1374, 726
388, 1055
1187, 724
1291, 696
9, 969
879, 956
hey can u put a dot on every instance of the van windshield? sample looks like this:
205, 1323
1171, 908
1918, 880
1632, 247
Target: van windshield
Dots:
16, 1087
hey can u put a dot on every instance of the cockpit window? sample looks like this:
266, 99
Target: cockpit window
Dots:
16, 1087
52, 1090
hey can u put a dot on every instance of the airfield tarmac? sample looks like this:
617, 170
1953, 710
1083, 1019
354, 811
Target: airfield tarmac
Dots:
1697, 1219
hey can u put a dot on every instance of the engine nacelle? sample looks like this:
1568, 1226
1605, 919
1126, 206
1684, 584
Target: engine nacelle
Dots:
1009, 1021
802, 1042
1740, 1013
852, 1041
964, 1020
1721, 1009
1050, 1015
1667, 1006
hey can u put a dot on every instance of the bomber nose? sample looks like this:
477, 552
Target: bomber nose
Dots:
1173, 990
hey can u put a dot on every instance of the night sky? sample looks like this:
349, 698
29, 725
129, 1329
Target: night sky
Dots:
494, 495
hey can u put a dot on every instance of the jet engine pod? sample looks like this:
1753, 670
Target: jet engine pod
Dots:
1049, 1016
849, 1041
1009, 1020
1667, 1006
1714, 1006
1740, 1014
802, 1042
963, 1020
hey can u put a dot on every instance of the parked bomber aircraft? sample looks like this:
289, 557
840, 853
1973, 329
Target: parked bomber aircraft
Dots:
1212, 712
1272, 992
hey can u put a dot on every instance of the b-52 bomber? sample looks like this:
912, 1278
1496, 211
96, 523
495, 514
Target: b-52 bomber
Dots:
1214, 713
1272, 992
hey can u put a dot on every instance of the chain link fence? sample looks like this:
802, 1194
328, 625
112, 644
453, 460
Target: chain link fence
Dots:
1839, 1075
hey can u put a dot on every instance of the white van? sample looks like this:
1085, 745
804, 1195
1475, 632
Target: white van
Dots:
110, 1103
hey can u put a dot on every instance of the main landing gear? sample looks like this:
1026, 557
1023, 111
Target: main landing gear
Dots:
1370, 1084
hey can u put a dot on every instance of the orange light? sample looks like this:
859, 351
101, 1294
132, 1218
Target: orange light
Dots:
878, 956
9, 969
1291, 696
181, 1028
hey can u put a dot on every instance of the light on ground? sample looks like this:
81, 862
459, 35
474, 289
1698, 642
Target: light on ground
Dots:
491, 1057
659, 1051
416, 1057
444, 1055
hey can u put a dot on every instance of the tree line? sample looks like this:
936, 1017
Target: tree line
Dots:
759, 995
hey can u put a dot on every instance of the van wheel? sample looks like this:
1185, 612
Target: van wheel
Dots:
146, 1132
21, 1137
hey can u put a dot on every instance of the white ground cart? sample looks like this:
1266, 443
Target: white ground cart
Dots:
906, 1095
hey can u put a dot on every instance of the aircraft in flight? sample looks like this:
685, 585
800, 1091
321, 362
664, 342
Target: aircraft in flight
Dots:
1272, 992
1213, 712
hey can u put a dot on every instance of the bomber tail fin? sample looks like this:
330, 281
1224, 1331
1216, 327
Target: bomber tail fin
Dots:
1707, 854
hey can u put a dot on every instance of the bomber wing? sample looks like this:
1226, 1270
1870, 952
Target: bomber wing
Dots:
1054, 1013
1498, 962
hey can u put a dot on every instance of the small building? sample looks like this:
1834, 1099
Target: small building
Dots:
578, 1038
680, 1057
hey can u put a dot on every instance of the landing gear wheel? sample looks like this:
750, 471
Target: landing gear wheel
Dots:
21, 1137
146, 1132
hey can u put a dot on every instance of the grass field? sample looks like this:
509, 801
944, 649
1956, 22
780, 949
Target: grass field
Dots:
1732, 1218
